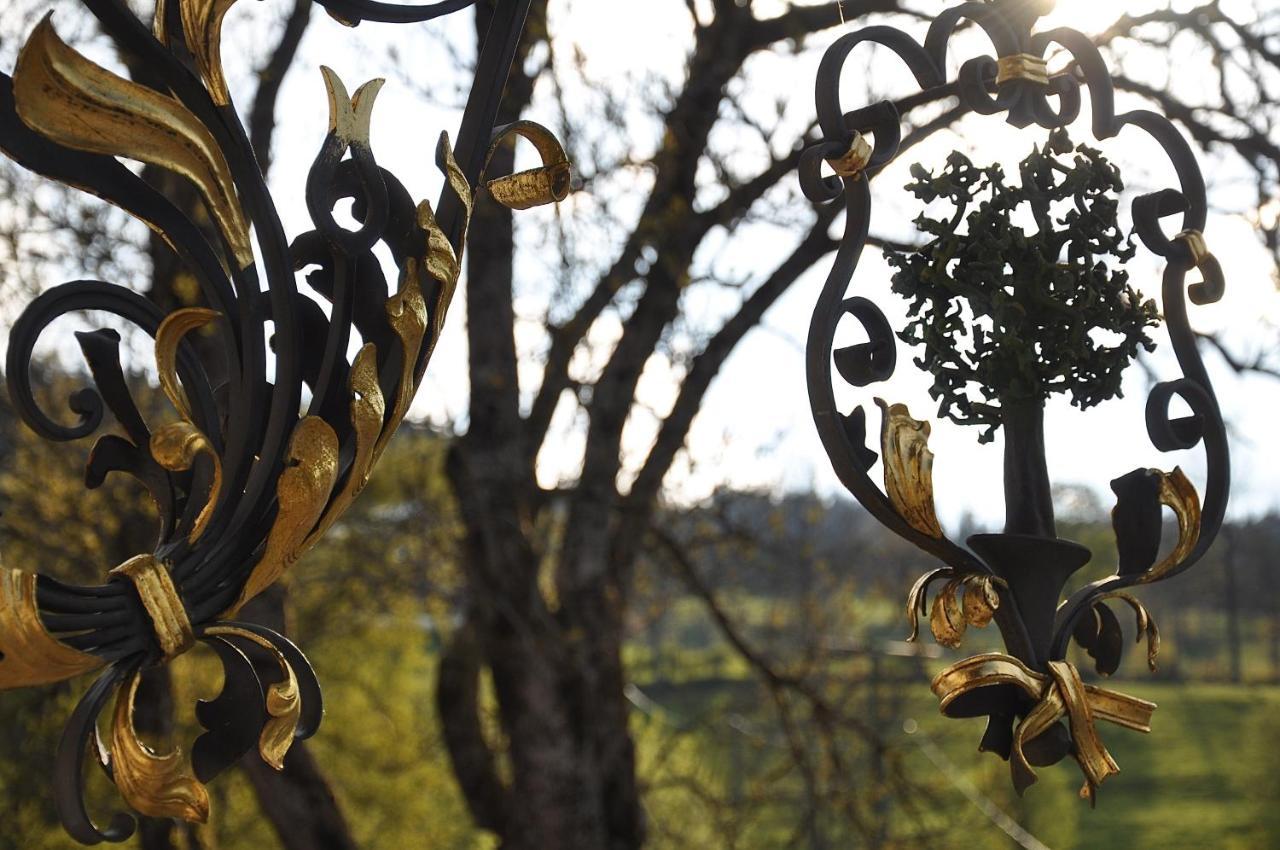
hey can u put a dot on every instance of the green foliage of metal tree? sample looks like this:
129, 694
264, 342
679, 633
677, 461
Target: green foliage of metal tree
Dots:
1008, 315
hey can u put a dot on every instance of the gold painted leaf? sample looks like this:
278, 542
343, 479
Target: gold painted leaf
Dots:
284, 708
202, 29
169, 336
367, 411
303, 490
175, 447
453, 175
549, 183
284, 700
1146, 626
917, 599
947, 620
350, 118
980, 600
441, 263
70, 100
158, 786
407, 313
29, 655
908, 468
1178, 493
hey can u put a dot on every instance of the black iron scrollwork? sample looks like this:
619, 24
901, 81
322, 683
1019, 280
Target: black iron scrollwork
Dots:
1027, 574
244, 479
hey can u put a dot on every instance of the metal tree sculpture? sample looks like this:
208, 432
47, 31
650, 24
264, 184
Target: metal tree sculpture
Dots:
245, 483
1013, 317
1058, 285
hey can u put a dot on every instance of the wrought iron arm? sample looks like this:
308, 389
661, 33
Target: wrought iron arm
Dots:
244, 481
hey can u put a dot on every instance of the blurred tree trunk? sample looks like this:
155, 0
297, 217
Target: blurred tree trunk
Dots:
555, 656
557, 674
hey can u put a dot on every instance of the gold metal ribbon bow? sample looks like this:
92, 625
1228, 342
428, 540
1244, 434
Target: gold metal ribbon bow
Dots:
1059, 694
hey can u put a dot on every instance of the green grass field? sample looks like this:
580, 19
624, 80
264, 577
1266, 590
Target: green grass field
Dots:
1206, 777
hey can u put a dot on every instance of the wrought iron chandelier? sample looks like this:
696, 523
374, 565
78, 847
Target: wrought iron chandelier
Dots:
1038, 708
245, 482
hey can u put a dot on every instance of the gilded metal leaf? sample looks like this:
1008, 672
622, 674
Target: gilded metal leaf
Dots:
65, 97
453, 175
407, 313
350, 117
29, 655
168, 337
302, 491
284, 700
1146, 625
908, 468
284, 705
981, 599
367, 411
1177, 492
948, 620
175, 447
159, 786
202, 29
917, 599
549, 183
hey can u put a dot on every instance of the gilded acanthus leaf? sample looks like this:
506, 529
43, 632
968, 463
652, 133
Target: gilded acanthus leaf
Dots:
159, 786
1179, 494
441, 262
70, 100
453, 175
917, 599
407, 313
29, 655
302, 491
175, 447
367, 411
284, 699
948, 620
202, 28
284, 706
169, 336
908, 468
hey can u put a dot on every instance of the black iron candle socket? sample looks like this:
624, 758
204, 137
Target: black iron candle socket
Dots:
1037, 570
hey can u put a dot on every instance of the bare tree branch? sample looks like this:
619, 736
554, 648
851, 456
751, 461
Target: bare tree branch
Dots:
263, 114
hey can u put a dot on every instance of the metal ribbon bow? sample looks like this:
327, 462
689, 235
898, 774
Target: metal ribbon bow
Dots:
1059, 694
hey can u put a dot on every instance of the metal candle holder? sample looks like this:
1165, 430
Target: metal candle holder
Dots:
1039, 709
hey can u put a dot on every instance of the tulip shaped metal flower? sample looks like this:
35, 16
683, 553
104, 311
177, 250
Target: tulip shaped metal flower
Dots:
245, 481
1005, 314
